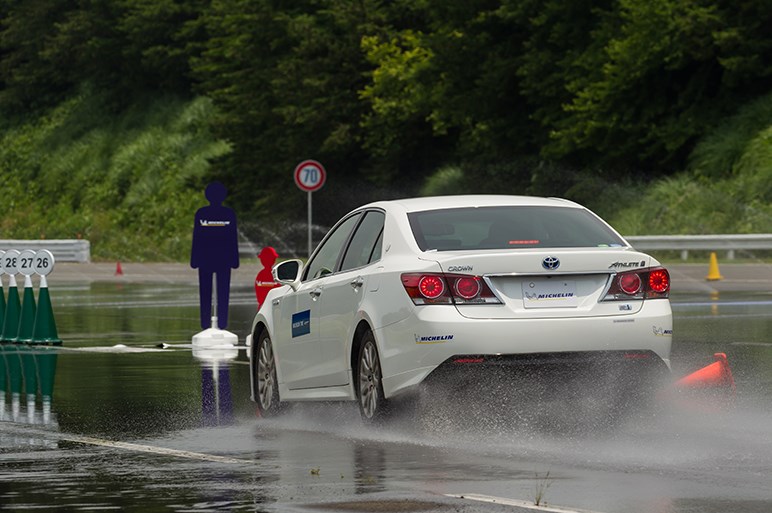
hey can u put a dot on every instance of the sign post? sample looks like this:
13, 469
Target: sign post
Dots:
310, 176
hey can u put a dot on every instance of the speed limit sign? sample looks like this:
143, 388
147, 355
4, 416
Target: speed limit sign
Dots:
310, 176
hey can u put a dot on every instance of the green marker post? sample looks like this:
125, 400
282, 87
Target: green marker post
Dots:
12, 313
44, 330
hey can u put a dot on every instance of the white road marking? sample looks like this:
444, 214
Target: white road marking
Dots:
517, 503
164, 348
119, 303
676, 305
120, 348
127, 446
152, 449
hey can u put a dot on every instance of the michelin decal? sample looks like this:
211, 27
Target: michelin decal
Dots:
432, 339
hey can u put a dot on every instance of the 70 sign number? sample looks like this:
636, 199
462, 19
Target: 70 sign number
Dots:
310, 175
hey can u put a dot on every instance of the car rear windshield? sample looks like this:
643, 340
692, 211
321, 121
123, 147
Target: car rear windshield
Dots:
510, 227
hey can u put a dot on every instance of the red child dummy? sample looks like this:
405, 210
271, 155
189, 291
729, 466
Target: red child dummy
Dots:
264, 279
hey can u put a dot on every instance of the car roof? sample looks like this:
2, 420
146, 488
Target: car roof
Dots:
477, 200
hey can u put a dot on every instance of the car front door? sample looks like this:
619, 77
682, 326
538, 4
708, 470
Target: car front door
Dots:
300, 311
297, 335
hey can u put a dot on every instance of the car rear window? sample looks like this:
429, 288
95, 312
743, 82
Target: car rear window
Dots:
509, 227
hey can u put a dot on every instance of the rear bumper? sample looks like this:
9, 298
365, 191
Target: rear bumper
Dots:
412, 349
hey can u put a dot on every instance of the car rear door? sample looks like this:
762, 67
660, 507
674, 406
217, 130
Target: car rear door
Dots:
343, 295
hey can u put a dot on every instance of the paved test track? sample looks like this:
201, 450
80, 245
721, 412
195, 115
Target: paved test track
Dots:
686, 277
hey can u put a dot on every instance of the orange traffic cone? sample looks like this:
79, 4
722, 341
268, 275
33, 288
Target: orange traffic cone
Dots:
118, 269
716, 375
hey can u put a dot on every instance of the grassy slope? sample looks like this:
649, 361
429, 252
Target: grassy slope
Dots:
130, 183
727, 188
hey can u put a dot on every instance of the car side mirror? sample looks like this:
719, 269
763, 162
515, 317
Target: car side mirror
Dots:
288, 273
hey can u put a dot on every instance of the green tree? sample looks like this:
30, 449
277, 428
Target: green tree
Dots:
447, 91
29, 80
670, 70
160, 37
286, 80
124, 48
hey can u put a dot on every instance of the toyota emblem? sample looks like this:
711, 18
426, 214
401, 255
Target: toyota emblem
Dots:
550, 263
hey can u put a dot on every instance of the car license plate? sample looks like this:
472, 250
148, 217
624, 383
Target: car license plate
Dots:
552, 293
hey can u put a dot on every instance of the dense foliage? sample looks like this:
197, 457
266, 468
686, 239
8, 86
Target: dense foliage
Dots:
559, 97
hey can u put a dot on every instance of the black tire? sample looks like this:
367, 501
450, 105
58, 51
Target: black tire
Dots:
266, 384
373, 406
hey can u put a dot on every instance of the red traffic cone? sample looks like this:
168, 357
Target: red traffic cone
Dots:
716, 375
118, 269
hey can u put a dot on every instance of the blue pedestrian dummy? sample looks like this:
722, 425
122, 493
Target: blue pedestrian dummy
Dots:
215, 252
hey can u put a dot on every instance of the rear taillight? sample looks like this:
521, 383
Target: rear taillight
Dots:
640, 284
659, 281
447, 289
630, 283
468, 287
431, 287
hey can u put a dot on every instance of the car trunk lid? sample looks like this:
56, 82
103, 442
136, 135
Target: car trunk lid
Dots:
545, 283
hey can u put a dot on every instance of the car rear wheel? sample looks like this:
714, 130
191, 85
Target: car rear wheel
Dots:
372, 404
266, 384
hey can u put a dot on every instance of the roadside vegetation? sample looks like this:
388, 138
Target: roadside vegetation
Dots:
128, 183
115, 115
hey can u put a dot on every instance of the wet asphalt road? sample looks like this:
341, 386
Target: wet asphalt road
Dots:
686, 277
143, 428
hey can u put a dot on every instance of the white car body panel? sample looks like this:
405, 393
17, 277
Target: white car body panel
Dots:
407, 361
341, 301
412, 340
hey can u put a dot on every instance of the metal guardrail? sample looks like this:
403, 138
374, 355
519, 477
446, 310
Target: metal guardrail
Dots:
79, 250
248, 250
685, 243
64, 250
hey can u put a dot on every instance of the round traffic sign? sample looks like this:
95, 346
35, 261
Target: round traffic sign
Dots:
44, 262
27, 262
310, 175
10, 262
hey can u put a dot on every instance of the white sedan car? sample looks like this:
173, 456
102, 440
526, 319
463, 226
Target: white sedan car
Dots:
406, 292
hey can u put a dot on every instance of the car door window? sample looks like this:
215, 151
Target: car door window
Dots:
375, 255
326, 258
360, 250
